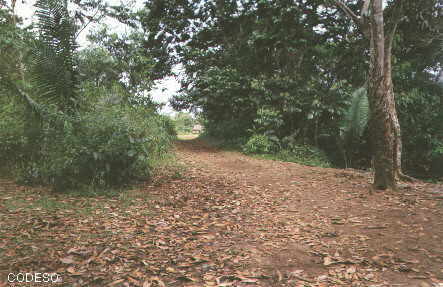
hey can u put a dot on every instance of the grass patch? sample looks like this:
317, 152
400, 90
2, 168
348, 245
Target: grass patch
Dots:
301, 154
15, 203
45, 203
50, 204
80, 203
288, 156
224, 144
186, 137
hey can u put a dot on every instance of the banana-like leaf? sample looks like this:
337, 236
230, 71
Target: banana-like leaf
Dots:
358, 114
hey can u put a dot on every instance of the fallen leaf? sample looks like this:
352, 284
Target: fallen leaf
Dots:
351, 270
185, 278
67, 260
327, 261
116, 282
171, 270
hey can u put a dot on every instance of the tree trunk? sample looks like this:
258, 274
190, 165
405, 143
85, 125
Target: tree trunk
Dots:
384, 125
385, 130
394, 117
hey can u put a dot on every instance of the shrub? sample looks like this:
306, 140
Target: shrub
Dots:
11, 134
421, 120
304, 154
108, 146
285, 150
259, 144
436, 166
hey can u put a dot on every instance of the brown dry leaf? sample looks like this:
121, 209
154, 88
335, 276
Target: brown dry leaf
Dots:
133, 281
67, 260
171, 270
158, 281
197, 218
351, 270
327, 261
228, 280
79, 251
225, 284
250, 281
116, 282
89, 260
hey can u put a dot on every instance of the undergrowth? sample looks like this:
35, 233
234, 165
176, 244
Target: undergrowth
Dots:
261, 146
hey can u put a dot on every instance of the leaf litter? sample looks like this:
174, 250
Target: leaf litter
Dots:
229, 220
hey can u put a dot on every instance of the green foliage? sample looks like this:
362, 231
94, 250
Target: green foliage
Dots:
184, 122
289, 69
168, 125
286, 150
259, 144
294, 151
268, 121
14, 43
351, 145
438, 150
107, 147
53, 77
99, 134
98, 67
11, 133
421, 119
305, 155
124, 57
357, 117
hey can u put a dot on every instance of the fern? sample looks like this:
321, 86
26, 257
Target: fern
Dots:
357, 116
53, 75
355, 122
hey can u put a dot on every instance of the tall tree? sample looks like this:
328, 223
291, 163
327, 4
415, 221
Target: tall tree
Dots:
384, 124
300, 58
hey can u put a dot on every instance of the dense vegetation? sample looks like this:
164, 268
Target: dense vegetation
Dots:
276, 76
75, 118
286, 78
184, 122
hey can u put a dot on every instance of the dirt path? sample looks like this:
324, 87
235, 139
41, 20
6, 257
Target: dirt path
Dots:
324, 226
228, 220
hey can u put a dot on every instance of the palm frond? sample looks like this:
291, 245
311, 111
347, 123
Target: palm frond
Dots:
357, 116
53, 74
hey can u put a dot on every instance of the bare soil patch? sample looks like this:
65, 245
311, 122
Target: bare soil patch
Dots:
229, 220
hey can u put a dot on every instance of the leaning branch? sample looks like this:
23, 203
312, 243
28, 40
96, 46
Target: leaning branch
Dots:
398, 17
31, 103
91, 19
365, 9
349, 12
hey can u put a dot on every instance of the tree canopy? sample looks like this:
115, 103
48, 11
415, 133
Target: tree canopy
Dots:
301, 60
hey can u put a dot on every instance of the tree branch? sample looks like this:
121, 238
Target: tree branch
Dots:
397, 18
29, 101
91, 19
349, 12
365, 9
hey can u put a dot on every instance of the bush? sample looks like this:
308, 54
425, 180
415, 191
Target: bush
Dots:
421, 120
304, 154
108, 146
259, 144
436, 166
11, 135
271, 148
